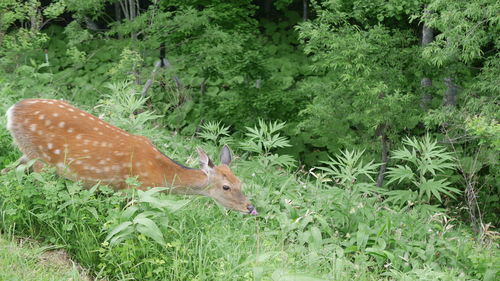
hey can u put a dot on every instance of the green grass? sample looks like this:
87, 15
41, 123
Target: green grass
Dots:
308, 228
303, 232
34, 262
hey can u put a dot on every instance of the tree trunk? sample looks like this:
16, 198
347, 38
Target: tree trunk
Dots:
90, 24
166, 64
426, 83
426, 97
257, 83
304, 10
203, 87
118, 15
384, 153
132, 9
473, 207
450, 94
267, 8
125, 10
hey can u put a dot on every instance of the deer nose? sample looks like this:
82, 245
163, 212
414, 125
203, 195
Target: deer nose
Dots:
251, 210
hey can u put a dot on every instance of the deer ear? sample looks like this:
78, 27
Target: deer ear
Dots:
205, 163
225, 155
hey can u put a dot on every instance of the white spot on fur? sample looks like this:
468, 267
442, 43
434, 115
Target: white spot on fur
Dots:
61, 124
85, 151
33, 127
82, 114
50, 145
36, 112
61, 106
50, 102
48, 122
55, 114
70, 130
96, 129
41, 117
71, 109
79, 137
57, 152
101, 162
78, 162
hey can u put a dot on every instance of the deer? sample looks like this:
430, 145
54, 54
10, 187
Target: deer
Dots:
82, 147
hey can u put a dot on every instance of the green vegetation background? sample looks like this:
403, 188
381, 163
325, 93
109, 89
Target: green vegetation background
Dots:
370, 151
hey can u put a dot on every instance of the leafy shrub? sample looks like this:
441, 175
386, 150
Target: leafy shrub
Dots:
215, 132
425, 164
348, 167
263, 140
307, 228
142, 214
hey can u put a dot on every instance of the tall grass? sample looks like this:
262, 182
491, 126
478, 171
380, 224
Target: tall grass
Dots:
311, 226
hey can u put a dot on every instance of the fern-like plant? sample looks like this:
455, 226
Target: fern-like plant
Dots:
348, 169
215, 132
422, 165
265, 138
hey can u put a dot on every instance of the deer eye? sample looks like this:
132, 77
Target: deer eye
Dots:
226, 187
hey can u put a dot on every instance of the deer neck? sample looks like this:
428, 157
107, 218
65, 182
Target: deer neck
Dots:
184, 180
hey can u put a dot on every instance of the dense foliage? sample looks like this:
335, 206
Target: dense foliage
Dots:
368, 133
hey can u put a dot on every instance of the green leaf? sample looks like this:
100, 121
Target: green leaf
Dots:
316, 238
149, 228
128, 212
436, 187
119, 228
362, 235
400, 197
400, 173
38, 177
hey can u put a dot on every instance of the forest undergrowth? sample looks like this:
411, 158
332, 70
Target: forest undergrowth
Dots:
329, 223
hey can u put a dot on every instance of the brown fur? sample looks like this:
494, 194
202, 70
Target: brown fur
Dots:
83, 147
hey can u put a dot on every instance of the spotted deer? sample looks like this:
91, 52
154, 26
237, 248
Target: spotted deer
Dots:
84, 148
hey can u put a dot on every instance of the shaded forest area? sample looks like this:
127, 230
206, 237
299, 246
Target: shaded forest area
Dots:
411, 85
